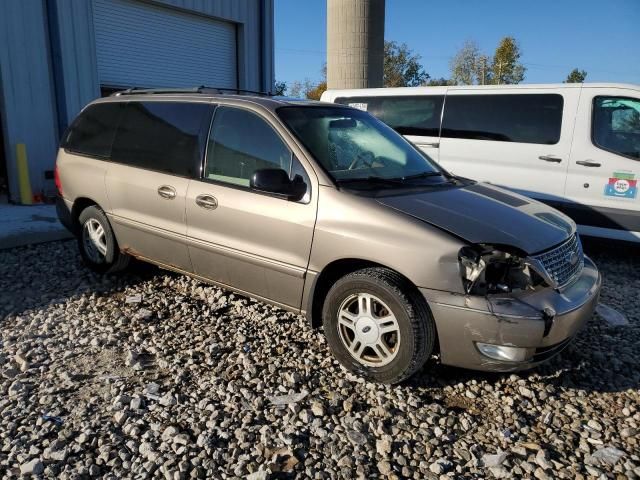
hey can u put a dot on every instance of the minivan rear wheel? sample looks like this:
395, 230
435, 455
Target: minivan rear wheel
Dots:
378, 325
98, 246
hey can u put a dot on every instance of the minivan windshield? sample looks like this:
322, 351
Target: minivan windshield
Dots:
354, 146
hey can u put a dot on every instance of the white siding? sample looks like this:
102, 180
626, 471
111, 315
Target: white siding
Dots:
143, 45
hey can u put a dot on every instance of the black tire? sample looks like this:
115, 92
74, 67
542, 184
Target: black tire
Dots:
112, 260
417, 334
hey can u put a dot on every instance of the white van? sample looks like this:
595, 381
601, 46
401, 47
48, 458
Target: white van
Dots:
573, 146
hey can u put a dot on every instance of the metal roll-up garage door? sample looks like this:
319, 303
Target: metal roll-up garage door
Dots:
143, 45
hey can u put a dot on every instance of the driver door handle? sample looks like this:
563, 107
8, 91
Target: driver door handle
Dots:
428, 144
208, 202
167, 191
588, 163
550, 158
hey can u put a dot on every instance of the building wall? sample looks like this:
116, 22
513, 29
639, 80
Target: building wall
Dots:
28, 100
49, 70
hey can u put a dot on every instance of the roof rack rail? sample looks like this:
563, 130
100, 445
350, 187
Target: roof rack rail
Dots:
200, 89
238, 90
142, 91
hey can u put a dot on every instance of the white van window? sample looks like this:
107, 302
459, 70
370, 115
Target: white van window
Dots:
527, 118
616, 125
407, 115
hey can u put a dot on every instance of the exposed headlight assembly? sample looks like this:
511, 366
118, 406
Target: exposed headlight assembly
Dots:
487, 270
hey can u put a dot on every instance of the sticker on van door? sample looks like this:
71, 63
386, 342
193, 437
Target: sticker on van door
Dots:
622, 185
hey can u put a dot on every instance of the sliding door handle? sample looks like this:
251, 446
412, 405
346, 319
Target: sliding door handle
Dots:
588, 163
550, 158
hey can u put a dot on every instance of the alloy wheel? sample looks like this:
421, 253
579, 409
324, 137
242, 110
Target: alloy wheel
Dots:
95, 240
368, 329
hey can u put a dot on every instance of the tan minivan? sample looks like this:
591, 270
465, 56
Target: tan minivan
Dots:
324, 210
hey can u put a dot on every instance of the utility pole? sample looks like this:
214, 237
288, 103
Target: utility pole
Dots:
355, 43
500, 73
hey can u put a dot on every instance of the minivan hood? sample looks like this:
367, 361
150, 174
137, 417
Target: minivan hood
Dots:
483, 213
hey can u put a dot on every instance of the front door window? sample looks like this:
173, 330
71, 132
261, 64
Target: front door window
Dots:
616, 125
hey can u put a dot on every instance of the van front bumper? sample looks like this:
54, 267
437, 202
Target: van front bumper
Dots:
534, 326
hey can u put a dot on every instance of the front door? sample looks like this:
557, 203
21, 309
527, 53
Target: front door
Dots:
516, 138
253, 242
602, 184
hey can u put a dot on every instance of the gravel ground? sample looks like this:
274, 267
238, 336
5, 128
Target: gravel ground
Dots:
154, 375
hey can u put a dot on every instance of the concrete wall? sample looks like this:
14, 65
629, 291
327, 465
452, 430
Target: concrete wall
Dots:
49, 68
355, 43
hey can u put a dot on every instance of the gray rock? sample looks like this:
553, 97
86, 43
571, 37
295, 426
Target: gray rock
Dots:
494, 460
383, 446
384, 467
32, 467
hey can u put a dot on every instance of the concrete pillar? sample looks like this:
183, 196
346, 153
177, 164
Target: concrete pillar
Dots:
355, 43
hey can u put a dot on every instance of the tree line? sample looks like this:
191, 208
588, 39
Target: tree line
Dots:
469, 66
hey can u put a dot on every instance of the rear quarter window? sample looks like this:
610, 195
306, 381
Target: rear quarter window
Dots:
93, 130
164, 136
522, 118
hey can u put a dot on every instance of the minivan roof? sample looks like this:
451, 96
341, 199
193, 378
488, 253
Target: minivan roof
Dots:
334, 93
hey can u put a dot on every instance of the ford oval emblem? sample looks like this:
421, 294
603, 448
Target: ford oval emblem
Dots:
573, 258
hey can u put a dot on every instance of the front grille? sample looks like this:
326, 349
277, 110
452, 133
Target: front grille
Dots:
557, 262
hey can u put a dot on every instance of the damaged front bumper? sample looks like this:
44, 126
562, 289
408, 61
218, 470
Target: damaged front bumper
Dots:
535, 325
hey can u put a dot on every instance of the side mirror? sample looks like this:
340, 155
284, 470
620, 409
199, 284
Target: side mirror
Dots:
277, 182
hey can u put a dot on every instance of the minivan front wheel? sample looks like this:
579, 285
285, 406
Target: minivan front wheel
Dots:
378, 325
97, 243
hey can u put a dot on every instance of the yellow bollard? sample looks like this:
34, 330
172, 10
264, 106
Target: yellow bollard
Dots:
26, 197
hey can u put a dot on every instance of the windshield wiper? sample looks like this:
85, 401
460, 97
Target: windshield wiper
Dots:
422, 175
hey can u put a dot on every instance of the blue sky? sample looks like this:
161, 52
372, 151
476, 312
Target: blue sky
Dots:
599, 36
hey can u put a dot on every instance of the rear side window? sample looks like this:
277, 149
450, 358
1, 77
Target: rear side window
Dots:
530, 118
616, 125
408, 115
163, 136
241, 142
92, 132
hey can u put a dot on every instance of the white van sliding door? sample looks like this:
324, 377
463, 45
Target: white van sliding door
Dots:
520, 139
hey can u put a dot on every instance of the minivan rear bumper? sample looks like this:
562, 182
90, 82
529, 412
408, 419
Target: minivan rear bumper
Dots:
464, 321
63, 209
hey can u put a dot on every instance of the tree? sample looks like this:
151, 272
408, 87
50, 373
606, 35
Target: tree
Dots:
506, 67
309, 89
468, 66
316, 92
402, 67
439, 82
280, 88
576, 76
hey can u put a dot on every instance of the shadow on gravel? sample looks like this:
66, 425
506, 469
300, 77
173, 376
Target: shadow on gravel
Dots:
602, 358
25, 283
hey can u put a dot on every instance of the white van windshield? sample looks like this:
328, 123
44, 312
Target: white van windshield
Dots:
353, 145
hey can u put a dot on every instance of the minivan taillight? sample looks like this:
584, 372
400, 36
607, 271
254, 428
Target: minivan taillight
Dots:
56, 179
